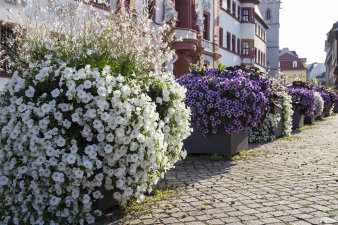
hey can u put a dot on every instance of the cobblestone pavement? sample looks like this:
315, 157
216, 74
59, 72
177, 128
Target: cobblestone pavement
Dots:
289, 181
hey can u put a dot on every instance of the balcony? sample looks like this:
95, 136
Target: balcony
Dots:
187, 39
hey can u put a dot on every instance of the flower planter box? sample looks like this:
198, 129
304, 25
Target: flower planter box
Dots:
279, 129
325, 114
335, 111
309, 119
297, 120
220, 143
107, 202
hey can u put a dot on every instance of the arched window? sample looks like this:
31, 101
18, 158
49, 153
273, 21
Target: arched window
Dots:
268, 14
294, 64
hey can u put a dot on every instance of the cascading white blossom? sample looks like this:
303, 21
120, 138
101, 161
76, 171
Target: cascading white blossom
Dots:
265, 132
89, 108
319, 104
65, 136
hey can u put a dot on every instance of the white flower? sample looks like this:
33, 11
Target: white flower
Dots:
78, 174
55, 93
88, 164
159, 100
60, 141
87, 84
3, 180
71, 159
30, 92
54, 201
85, 199
108, 148
45, 108
58, 177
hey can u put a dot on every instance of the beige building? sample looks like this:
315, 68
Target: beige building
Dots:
292, 67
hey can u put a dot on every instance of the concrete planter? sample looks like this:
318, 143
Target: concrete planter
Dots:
309, 119
297, 120
335, 111
107, 202
325, 114
279, 129
220, 143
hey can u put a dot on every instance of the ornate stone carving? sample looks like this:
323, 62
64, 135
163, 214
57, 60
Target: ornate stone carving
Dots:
206, 5
17, 2
199, 21
169, 11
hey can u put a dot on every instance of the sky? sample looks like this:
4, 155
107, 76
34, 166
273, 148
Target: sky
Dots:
304, 25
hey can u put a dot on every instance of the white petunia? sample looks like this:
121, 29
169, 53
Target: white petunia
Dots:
55, 93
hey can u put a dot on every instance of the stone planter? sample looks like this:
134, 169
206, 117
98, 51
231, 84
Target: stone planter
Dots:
297, 120
220, 143
325, 114
309, 119
335, 111
107, 202
279, 129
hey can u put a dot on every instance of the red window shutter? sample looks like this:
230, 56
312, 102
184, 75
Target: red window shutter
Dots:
221, 36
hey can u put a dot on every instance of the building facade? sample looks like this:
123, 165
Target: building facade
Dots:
316, 70
331, 61
292, 67
231, 32
270, 12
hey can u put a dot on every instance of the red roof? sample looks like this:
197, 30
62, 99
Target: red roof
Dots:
286, 62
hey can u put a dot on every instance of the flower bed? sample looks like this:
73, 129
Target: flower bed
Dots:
319, 105
225, 98
278, 121
303, 100
328, 98
83, 114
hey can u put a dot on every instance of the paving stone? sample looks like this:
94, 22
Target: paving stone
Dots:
215, 222
289, 181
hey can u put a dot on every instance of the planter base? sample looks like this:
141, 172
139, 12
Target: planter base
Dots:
107, 202
335, 111
220, 143
279, 129
297, 120
309, 119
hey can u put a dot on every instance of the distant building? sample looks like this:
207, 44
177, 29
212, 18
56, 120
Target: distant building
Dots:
292, 67
231, 32
322, 79
315, 70
270, 11
331, 61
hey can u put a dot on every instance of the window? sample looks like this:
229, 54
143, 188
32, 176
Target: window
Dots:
150, 8
259, 31
228, 40
300, 74
238, 46
259, 57
206, 27
294, 64
6, 34
245, 14
126, 3
229, 5
256, 56
255, 28
233, 43
234, 8
221, 3
268, 14
239, 12
295, 74
245, 48
264, 64
221, 36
